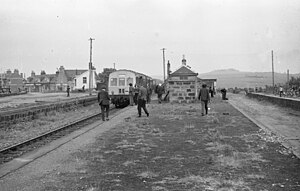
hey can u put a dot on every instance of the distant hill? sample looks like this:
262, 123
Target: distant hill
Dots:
230, 78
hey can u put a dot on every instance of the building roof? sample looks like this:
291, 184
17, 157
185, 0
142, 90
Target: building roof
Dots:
136, 73
72, 73
42, 78
184, 71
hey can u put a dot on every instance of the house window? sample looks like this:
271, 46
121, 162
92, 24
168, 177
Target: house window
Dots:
75, 82
121, 80
113, 82
84, 80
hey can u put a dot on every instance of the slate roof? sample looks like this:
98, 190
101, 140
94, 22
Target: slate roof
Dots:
42, 78
184, 71
72, 73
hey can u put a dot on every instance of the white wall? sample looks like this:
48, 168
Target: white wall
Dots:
79, 80
115, 89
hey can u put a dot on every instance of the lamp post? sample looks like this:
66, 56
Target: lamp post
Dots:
273, 73
163, 49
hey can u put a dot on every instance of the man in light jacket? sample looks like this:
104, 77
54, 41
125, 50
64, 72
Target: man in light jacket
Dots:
204, 98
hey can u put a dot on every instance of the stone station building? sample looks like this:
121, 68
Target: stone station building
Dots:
184, 84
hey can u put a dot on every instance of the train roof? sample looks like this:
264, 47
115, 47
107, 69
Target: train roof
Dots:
137, 73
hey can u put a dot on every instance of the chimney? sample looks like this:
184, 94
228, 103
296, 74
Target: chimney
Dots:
16, 71
61, 69
168, 69
183, 60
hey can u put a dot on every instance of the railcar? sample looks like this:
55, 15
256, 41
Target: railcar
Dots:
118, 85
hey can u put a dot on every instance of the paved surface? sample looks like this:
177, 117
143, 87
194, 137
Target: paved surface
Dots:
284, 122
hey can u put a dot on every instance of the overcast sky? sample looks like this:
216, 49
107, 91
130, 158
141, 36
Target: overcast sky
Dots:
212, 34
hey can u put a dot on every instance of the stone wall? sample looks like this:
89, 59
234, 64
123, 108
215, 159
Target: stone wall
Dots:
182, 91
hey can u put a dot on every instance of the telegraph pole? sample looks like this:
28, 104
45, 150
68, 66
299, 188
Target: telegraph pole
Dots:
273, 73
163, 49
90, 68
288, 79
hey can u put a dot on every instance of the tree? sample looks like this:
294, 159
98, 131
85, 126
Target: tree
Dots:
294, 81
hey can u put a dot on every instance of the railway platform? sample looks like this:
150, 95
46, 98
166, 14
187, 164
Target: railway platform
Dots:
175, 148
31, 99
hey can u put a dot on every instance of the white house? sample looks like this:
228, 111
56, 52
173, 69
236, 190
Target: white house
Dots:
82, 80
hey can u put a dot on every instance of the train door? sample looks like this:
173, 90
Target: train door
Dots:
121, 84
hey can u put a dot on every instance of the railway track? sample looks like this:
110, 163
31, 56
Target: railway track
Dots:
9, 153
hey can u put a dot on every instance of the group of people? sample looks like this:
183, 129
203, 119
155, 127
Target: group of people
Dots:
293, 91
143, 98
134, 94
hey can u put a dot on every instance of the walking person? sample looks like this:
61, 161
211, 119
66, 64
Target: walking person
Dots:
142, 98
136, 93
159, 90
68, 91
103, 99
211, 92
149, 93
131, 92
204, 98
280, 91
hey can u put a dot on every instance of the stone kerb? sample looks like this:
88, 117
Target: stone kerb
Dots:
282, 101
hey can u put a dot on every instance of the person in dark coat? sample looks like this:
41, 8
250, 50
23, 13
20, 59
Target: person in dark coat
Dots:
142, 99
204, 98
136, 93
103, 99
149, 93
159, 90
211, 92
68, 91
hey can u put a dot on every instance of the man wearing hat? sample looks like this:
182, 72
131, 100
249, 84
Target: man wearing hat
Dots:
142, 99
103, 99
204, 98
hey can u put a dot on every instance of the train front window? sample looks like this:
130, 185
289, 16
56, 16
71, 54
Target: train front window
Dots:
129, 80
113, 82
121, 80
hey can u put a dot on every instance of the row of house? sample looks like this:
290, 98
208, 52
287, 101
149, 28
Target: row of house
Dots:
76, 79
182, 85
